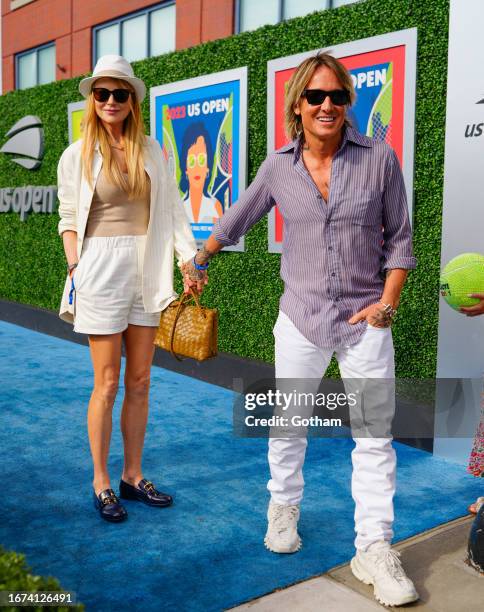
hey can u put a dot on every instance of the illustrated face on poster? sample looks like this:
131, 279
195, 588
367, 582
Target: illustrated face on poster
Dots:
379, 111
199, 132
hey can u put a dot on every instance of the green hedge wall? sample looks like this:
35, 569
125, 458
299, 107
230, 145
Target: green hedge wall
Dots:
246, 287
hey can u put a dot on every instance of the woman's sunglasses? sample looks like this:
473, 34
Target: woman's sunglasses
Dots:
101, 94
315, 97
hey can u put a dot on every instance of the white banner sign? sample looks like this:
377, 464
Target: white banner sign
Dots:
461, 338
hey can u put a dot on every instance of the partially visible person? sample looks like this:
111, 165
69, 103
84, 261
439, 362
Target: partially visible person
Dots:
121, 221
476, 467
477, 309
476, 459
475, 545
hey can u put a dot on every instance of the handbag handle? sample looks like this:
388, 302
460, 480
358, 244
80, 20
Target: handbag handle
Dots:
181, 303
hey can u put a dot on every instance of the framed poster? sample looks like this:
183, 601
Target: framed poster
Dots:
383, 69
201, 125
75, 113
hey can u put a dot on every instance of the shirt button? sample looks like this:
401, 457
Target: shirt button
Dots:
337, 299
330, 248
320, 197
333, 273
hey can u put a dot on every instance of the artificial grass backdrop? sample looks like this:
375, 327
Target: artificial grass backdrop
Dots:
246, 286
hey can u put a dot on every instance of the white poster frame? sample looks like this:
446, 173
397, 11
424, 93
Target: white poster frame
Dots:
236, 74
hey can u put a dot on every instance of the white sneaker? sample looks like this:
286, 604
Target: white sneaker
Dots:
381, 567
282, 535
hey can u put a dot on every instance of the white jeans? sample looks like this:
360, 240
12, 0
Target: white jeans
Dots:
374, 459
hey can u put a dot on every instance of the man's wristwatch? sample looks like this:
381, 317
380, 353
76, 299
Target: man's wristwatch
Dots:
71, 267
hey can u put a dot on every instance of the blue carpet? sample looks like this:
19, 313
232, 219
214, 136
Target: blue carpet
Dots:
206, 552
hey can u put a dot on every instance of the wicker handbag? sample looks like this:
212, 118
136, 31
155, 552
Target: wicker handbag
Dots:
188, 330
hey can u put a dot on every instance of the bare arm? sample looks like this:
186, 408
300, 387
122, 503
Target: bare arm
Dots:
211, 247
375, 314
394, 282
67, 194
69, 239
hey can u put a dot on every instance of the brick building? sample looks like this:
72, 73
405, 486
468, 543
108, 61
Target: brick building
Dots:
46, 40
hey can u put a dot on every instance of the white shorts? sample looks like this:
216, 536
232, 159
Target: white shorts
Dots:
108, 286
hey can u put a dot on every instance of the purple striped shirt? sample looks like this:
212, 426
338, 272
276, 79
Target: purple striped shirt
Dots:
333, 253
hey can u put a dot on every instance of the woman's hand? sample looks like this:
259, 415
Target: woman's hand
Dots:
374, 314
193, 278
477, 309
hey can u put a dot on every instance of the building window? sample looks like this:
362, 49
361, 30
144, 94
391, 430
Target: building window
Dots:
136, 36
15, 4
252, 14
35, 67
336, 3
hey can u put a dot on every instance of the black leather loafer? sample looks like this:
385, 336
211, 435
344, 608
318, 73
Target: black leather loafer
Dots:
109, 507
145, 492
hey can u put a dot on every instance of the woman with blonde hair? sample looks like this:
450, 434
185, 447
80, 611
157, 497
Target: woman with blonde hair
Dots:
121, 221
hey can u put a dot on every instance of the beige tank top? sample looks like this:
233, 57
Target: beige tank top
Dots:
112, 214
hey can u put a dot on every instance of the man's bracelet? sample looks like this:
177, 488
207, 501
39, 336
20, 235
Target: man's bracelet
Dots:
200, 266
388, 309
205, 256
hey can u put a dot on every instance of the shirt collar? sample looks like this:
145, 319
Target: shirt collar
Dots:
352, 135
289, 147
293, 147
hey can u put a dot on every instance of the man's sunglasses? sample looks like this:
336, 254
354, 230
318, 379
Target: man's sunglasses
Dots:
315, 97
101, 94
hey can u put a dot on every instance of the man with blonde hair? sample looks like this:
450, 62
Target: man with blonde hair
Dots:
335, 189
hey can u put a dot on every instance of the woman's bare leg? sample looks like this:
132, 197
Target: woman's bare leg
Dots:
106, 360
134, 416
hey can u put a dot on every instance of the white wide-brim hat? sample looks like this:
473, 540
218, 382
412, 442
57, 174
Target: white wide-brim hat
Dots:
116, 67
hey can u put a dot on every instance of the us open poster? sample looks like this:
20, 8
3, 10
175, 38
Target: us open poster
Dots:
75, 113
383, 70
201, 125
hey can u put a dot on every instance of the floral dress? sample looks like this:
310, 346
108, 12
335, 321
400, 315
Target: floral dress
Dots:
476, 460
